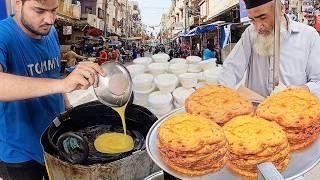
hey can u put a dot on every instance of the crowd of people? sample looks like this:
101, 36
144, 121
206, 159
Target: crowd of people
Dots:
124, 54
101, 54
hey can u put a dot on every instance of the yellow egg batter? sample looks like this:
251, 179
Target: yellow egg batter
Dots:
113, 143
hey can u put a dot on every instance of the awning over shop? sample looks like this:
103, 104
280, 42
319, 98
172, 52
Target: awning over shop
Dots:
200, 29
183, 34
92, 31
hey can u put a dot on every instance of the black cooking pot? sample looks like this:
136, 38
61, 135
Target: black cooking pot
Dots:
71, 135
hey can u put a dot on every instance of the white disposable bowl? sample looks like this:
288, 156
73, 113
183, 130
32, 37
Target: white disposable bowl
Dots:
188, 80
143, 60
161, 58
159, 100
141, 97
142, 82
177, 105
136, 69
178, 60
140, 102
207, 64
211, 75
163, 111
178, 68
201, 76
193, 59
157, 68
181, 94
166, 82
194, 68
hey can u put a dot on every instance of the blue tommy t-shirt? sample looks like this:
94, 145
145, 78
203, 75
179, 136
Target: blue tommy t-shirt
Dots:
22, 122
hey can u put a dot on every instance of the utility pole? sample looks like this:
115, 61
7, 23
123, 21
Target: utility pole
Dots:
141, 32
127, 22
185, 15
276, 50
105, 17
160, 32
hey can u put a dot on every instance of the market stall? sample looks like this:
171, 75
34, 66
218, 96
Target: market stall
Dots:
182, 122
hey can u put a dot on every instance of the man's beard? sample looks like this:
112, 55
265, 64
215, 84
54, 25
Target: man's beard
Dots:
30, 28
263, 45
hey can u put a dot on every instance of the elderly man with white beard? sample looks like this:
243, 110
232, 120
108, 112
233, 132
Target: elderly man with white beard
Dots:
299, 53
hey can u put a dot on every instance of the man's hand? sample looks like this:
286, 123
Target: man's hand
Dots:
84, 76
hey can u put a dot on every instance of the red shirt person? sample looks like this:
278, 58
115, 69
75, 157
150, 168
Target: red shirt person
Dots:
103, 57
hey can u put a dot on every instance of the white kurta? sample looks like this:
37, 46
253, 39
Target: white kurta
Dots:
299, 61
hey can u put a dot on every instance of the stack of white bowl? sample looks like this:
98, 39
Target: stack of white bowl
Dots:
136, 69
142, 86
157, 68
211, 75
194, 66
178, 68
189, 80
180, 95
169, 83
178, 60
166, 82
201, 77
143, 61
208, 64
160, 103
193, 59
161, 58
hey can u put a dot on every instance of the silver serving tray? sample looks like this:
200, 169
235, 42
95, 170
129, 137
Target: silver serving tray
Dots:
300, 163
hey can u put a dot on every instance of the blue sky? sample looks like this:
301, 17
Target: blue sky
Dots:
151, 11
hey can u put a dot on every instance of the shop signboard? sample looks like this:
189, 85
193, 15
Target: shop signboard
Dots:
100, 13
92, 20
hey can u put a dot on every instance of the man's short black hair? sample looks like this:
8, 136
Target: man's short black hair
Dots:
72, 47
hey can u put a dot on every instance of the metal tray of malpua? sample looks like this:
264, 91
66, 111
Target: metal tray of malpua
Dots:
300, 163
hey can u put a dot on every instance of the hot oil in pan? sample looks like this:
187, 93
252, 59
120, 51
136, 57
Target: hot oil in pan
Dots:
113, 143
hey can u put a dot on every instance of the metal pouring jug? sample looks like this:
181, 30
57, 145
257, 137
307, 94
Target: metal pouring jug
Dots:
115, 88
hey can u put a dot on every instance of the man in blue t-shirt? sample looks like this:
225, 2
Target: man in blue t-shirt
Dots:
30, 87
209, 53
